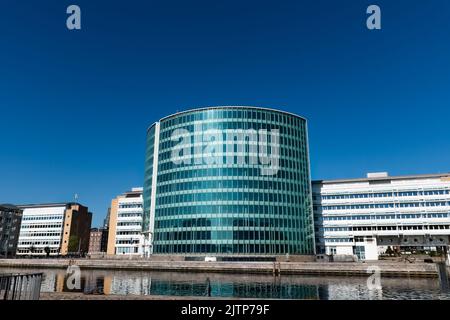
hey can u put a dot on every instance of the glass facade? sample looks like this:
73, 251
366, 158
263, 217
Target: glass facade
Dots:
150, 148
230, 180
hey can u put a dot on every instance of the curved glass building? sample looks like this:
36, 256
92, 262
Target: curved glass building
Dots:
228, 180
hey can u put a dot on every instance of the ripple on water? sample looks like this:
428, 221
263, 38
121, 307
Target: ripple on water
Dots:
244, 286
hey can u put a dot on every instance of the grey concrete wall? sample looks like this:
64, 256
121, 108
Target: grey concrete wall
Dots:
311, 268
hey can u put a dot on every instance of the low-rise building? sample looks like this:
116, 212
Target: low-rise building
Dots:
10, 220
367, 216
125, 224
56, 228
98, 240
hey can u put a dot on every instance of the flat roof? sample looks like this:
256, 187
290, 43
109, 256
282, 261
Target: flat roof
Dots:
386, 178
9, 206
98, 229
47, 205
133, 192
225, 107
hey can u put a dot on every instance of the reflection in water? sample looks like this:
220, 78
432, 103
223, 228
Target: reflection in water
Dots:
238, 285
230, 288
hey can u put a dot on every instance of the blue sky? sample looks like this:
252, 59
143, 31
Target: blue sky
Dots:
75, 105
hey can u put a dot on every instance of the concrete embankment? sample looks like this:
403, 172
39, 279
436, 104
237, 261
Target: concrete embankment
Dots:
392, 269
80, 296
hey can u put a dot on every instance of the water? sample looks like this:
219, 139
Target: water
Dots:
243, 286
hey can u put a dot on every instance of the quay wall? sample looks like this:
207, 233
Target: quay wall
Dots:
389, 269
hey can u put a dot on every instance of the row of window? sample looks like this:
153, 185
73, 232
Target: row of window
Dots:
222, 132
128, 241
230, 196
386, 216
292, 209
129, 214
9, 220
385, 228
251, 248
339, 240
431, 227
273, 222
247, 184
213, 173
11, 229
38, 243
227, 152
334, 229
44, 217
41, 226
36, 251
40, 234
128, 223
388, 205
289, 165
400, 228
236, 124
230, 235
5, 237
130, 205
237, 115
231, 155
124, 250
385, 194
128, 233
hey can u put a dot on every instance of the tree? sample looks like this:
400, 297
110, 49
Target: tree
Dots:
389, 251
73, 243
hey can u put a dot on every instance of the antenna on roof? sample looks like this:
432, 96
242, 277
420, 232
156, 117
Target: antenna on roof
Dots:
76, 197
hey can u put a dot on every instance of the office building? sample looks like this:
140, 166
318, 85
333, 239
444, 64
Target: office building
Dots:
62, 228
125, 224
228, 181
10, 220
366, 216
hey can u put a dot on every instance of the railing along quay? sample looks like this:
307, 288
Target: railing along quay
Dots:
20, 286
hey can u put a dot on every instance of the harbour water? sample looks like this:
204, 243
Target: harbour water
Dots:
240, 286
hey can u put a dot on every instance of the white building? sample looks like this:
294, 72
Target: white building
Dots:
365, 216
125, 224
63, 228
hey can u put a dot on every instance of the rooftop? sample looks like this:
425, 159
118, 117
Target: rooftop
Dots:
226, 107
384, 176
134, 193
8, 206
48, 205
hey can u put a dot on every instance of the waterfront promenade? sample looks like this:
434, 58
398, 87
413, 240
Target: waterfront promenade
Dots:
386, 268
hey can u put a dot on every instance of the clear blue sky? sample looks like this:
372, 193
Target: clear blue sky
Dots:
75, 106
